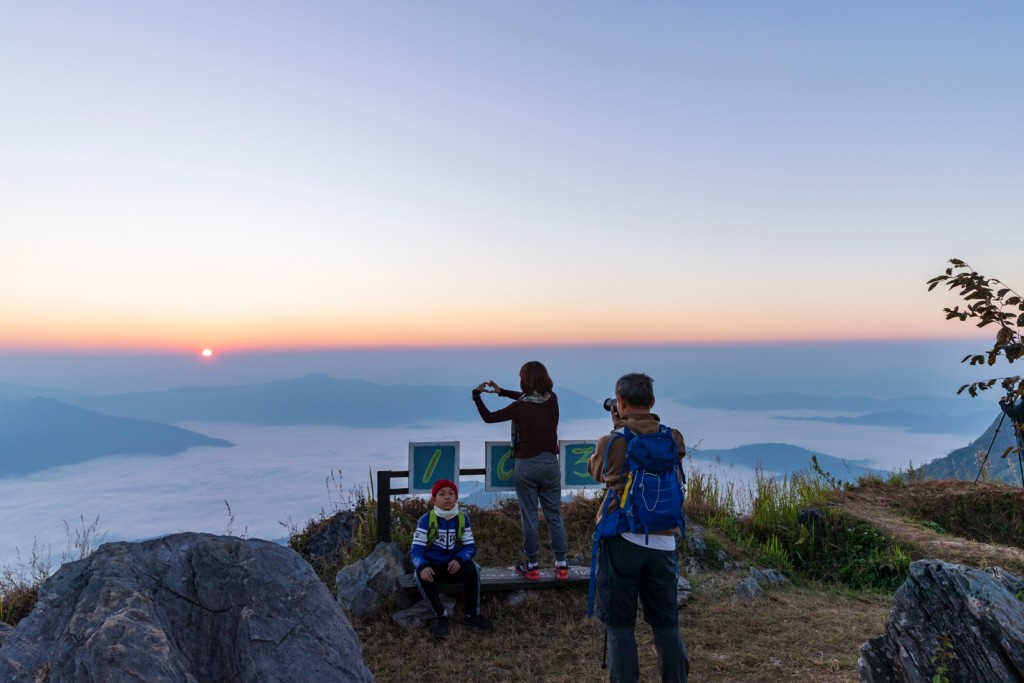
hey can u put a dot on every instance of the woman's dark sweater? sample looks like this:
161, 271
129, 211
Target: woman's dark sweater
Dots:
535, 424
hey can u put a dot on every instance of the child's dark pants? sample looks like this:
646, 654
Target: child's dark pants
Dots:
468, 575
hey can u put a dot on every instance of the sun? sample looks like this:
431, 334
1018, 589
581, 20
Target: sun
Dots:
207, 353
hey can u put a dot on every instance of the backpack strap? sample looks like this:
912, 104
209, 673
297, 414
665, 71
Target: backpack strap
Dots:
682, 483
597, 537
432, 527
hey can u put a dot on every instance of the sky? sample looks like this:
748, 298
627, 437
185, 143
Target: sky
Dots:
253, 176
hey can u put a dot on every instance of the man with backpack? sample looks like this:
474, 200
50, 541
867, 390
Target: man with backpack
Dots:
636, 553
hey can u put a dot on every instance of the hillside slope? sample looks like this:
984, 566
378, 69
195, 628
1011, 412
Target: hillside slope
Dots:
963, 463
953, 520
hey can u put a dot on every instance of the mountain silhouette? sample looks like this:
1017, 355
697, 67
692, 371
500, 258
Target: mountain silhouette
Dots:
925, 405
44, 432
914, 422
315, 399
784, 457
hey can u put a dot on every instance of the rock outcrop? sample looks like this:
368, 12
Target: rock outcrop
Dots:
188, 607
961, 623
333, 538
362, 585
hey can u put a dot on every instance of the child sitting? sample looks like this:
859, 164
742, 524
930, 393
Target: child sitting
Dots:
442, 551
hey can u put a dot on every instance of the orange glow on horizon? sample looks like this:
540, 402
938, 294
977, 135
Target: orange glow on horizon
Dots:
314, 342
400, 319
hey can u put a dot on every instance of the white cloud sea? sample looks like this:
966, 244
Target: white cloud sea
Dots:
279, 476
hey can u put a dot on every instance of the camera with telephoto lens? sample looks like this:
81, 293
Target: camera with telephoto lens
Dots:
609, 403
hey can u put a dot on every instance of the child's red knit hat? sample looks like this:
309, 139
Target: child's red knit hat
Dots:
442, 483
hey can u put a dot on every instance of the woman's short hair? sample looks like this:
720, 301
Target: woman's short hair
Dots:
636, 389
534, 378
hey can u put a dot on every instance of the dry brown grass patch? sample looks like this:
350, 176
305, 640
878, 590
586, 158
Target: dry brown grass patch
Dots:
814, 633
809, 634
984, 522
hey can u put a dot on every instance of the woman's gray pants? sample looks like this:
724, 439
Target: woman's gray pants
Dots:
539, 480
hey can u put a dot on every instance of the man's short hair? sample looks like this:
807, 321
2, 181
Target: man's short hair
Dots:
636, 389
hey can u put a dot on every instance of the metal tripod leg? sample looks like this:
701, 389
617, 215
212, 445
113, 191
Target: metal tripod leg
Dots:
984, 460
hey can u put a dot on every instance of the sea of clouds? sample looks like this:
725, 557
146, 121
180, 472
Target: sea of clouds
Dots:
276, 478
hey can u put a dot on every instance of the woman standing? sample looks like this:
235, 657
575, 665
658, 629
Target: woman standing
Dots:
534, 416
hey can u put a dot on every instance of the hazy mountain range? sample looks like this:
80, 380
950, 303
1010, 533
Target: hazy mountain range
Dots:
788, 459
915, 422
313, 399
921, 414
931, 405
39, 433
43, 432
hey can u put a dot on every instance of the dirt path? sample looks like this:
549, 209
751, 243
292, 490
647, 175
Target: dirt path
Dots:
882, 507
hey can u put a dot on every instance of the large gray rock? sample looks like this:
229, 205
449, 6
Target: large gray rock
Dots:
185, 608
362, 585
970, 621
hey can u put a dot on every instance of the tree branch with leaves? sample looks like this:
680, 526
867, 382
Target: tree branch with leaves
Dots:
988, 302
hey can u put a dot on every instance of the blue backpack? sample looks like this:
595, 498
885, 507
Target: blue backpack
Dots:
652, 499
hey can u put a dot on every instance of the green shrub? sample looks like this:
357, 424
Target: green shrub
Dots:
791, 524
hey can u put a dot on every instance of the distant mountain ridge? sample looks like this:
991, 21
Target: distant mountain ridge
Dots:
44, 432
23, 392
926, 405
316, 399
319, 399
914, 422
786, 458
919, 414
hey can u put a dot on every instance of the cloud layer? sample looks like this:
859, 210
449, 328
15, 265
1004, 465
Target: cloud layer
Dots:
277, 477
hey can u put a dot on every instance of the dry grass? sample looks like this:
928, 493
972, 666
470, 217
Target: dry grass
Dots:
809, 634
806, 632
981, 524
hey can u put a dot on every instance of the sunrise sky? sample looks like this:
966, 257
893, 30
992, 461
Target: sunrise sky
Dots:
259, 175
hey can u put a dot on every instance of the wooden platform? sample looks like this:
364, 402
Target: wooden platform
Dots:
506, 579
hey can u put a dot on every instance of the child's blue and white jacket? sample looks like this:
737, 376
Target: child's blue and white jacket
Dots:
446, 547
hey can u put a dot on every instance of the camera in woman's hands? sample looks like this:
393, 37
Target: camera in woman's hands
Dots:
610, 403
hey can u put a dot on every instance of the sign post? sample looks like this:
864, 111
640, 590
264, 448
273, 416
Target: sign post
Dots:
573, 457
500, 466
430, 461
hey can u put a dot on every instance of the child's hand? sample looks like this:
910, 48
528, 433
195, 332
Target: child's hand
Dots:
427, 574
454, 566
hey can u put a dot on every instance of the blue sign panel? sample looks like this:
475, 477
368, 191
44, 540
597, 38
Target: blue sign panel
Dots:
500, 466
430, 461
573, 457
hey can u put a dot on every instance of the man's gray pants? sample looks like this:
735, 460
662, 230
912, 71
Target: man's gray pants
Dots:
627, 572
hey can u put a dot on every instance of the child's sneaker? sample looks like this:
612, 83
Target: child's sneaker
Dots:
528, 571
562, 572
439, 628
479, 621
